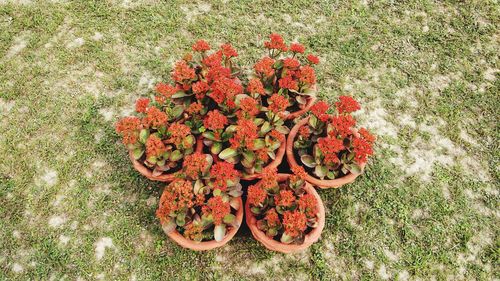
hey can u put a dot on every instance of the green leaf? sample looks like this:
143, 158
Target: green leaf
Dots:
283, 129
143, 135
313, 121
285, 238
255, 210
177, 111
216, 147
308, 160
176, 155
249, 156
320, 171
209, 135
180, 220
219, 232
228, 153
258, 121
179, 94
217, 192
258, 144
266, 127
229, 218
138, 152
355, 168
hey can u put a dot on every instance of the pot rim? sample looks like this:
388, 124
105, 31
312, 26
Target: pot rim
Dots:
335, 183
298, 113
274, 245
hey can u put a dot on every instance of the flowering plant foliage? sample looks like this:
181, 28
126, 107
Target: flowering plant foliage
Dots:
284, 210
285, 71
329, 145
153, 140
201, 204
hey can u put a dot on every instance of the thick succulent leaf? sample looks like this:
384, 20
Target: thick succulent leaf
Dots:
198, 187
219, 232
143, 135
177, 111
249, 156
320, 171
179, 94
176, 155
180, 220
229, 218
216, 148
271, 154
283, 129
209, 135
266, 127
235, 203
138, 152
169, 226
301, 99
258, 121
285, 238
313, 121
228, 153
259, 144
354, 168
308, 160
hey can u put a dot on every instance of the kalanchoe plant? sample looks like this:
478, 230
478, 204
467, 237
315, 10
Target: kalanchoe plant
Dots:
285, 71
202, 82
153, 141
328, 145
284, 211
201, 204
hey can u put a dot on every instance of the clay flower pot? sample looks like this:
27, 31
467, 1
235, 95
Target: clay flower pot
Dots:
208, 245
277, 246
293, 115
312, 179
145, 171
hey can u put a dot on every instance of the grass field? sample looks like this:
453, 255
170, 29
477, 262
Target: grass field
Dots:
425, 72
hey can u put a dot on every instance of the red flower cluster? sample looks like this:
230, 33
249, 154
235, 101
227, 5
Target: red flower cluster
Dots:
217, 208
182, 72
194, 108
343, 125
200, 88
228, 51
289, 83
347, 105
193, 232
250, 106
222, 172
246, 133
195, 165
312, 59
304, 132
154, 146
141, 105
201, 46
330, 147
129, 127
155, 118
178, 195
166, 90
272, 218
277, 136
291, 63
362, 149
307, 75
214, 60
319, 110
278, 103
215, 120
255, 86
366, 135
308, 205
224, 90
297, 48
269, 178
285, 198
294, 222
299, 171
178, 132
264, 67
276, 42
256, 195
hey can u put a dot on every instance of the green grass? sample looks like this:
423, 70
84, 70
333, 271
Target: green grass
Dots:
58, 106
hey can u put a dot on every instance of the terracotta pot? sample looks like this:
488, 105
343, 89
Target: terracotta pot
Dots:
277, 246
208, 245
290, 157
310, 102
148, 173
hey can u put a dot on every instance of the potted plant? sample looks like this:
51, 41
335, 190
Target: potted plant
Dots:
284, 212
202, 209
285, 71
328, 146
156, 147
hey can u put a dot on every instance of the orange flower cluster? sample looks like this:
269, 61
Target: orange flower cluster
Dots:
256, 195
276, 42
362, 149
264, 67
284, 199
193, 232
228, 51
141, 105
250, 106
272, 218
154, 147
308, 205
182, 72
343, 125
319, 110
246, 133
215, 120
217, 208
295, 223
255, 86
329, 148
201, 46
155, 118
224, 90
178, 195
129, 127
347, 105
278, 103
222, 172
297, 48
307, 75
178, 132
195, 165
289, 83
